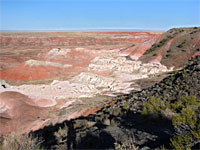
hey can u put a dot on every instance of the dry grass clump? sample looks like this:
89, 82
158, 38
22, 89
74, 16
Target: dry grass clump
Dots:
61, 137
20, 142
127, 145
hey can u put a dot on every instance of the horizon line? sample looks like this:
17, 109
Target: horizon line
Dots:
81, 30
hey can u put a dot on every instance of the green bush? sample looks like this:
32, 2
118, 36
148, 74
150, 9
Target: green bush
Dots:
177, 142
155, 54
125, 106
153, 106
188, 121
183, 102
156, 45
185, 119
169, 50
182, 44
187, 116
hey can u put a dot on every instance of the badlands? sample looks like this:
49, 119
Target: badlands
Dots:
49, 77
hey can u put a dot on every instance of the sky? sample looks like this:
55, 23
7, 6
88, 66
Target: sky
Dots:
98, 14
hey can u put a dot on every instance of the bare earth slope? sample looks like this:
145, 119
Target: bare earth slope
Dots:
176, 47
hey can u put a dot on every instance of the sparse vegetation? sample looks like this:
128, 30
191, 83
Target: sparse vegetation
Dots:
16, 141
195, 31
126, 106
155, 46
186, 120
127, 145
154, 106
187, 129
182, 44
183, 102
155, 54
59, 49
61, 137
168, 55
183, 50
169, 50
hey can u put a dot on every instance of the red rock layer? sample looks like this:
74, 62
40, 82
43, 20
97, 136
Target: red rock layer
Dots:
18, 112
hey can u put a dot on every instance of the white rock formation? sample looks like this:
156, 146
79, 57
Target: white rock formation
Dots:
93, 79
122, 65
33, 62
58, 51
91, 83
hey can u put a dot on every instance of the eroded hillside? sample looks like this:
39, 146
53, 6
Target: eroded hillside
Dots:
55, 77
176, 47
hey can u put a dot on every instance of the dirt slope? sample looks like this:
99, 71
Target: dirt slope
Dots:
175, 48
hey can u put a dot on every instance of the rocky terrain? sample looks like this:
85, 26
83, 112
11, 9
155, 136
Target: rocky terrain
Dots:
52, 77
125, 120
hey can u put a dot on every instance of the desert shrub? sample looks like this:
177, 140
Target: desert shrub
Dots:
177, 142
169, 37
185, 119
127, 145
20, 142
61, 137
188, 129
154, 106
183, 102
155, 46
183, 50
186, 123
187, 116
184, 74
168, 55
169, 50
125, 106
155, 54
182, 44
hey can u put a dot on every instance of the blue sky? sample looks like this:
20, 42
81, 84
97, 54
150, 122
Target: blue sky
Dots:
98, 14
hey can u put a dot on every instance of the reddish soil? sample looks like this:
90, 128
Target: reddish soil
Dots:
24, 113
20, 112
16, 48
161, 52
